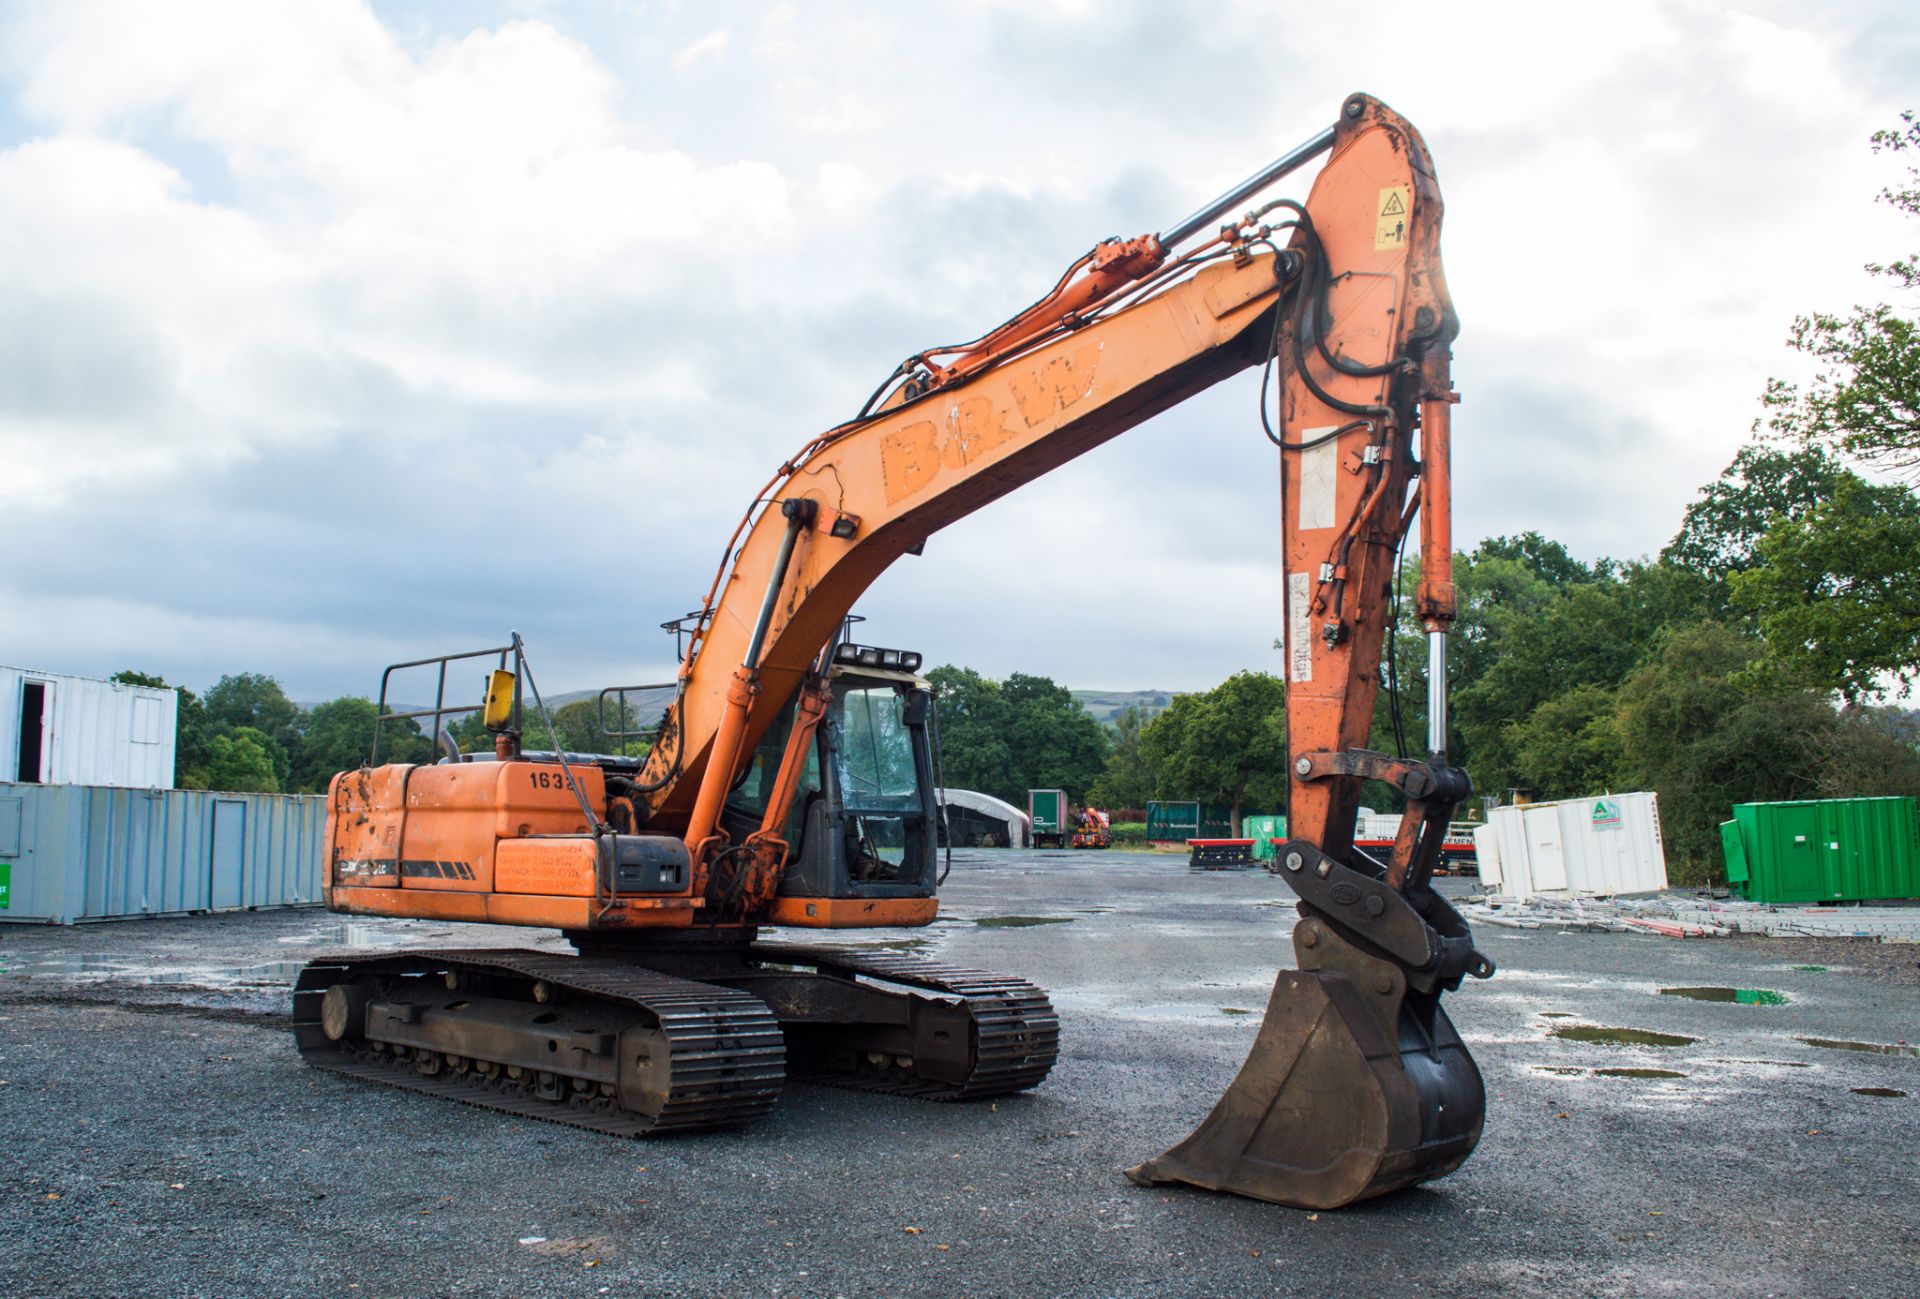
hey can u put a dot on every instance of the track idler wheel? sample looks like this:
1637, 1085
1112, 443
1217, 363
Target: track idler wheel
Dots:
1357, 1085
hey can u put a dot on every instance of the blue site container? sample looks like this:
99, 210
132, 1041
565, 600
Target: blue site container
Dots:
88, 852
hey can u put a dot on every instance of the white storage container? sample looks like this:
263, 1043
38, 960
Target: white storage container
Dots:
1581, 847
1486, 855
65, 730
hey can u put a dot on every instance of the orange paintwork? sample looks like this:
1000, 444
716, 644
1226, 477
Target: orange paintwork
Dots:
533, 910
563, 867
434, 828
1338, 511
365, 810
852, 913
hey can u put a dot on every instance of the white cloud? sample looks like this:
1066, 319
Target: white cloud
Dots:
337, 295
711, 48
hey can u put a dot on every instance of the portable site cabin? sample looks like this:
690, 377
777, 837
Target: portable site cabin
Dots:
71, 853
1824, 850
1580, 847
57, 729
91, 827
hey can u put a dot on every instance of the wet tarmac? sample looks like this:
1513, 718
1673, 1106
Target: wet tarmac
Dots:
163, 1138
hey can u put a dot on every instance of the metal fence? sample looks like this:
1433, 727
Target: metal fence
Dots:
1176, 821
87, 852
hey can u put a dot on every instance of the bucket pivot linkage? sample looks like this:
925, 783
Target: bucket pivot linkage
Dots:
1357, 1083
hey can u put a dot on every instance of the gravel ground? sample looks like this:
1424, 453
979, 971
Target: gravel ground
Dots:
162, 1137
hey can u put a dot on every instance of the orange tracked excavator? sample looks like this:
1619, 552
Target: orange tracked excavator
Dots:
791, 780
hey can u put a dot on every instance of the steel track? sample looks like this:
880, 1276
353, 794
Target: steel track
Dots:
728, 1057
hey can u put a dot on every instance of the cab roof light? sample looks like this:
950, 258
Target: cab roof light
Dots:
872, 656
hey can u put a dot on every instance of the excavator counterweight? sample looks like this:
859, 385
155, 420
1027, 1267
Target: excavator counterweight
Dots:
791, 777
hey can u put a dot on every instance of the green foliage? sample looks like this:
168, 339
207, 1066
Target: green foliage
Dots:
1228, 745
1865, 400
1128, 780
1006, 738
257, 702
128, 677
1697, 725
1837, 590
243, 761
338, 736
1762, 486
1569, 747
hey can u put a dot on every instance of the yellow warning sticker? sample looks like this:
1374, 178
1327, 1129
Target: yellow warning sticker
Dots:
1390, 225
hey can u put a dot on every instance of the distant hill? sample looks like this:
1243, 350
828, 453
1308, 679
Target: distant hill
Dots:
1106, 705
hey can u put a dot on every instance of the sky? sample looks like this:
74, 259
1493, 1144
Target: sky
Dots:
336, 333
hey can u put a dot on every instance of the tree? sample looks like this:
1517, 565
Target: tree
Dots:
251, 699
1836, 592
1056, 743
1546, 559
242, 762
972, 717
1228, 745
1865, 401
257, 702
1568, 747
1762, 486
338, 736
128, 677
1694, 729
1006, 738
1873, 751
1128, 780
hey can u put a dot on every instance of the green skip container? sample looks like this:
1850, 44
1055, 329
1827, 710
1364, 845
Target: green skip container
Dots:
1824, 850
1263, 830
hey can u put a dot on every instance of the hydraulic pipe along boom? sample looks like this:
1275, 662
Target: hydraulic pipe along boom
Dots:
1282, 166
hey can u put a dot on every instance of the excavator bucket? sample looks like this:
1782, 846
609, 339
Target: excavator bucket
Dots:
1357, 1085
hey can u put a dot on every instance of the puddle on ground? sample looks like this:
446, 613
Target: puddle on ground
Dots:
268, 972
1731, 996
350, 933
123, 970
1875, 1048
1620, 1036
1637, 1073
72, 963
1885, 1093
1021, 922
1811, 969
1772, 1064
1556, 1014
895, 945
1568, 1071
1235, 1010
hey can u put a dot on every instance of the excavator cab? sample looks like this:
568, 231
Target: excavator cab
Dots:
864, 819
